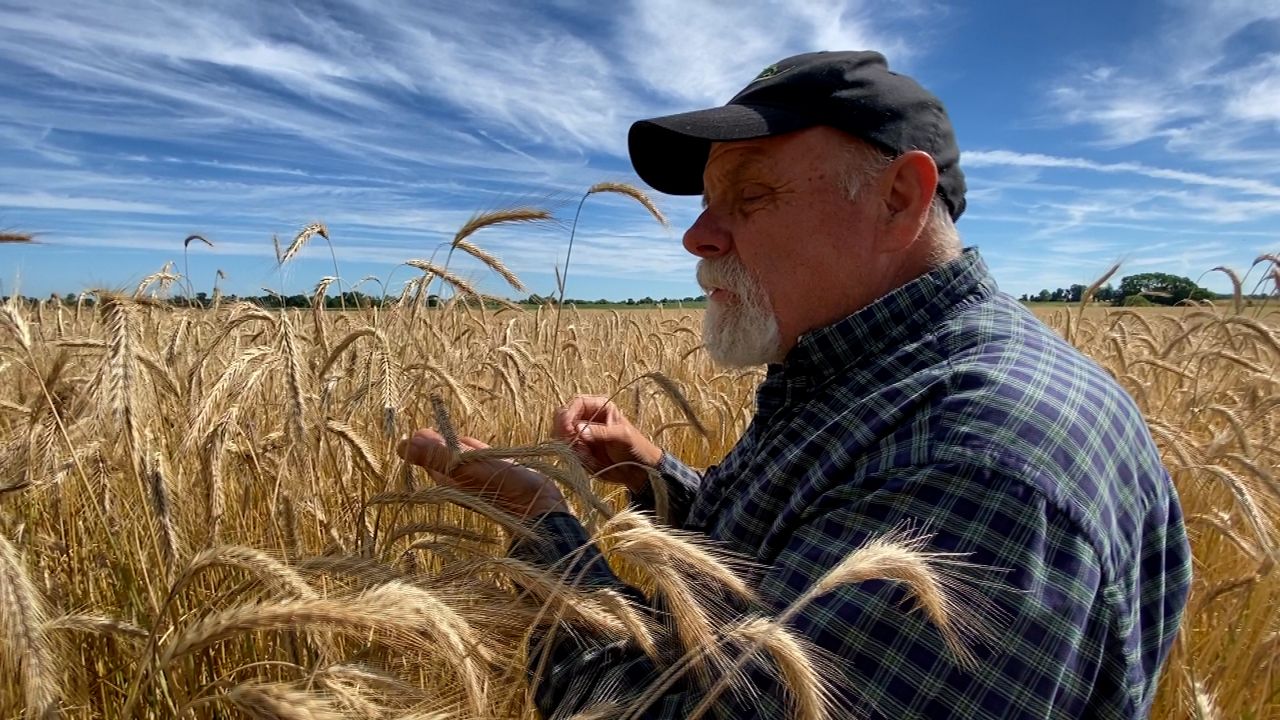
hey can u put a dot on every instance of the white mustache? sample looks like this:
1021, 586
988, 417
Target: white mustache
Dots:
726, 273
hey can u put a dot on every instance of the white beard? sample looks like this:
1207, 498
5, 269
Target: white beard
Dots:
744, 333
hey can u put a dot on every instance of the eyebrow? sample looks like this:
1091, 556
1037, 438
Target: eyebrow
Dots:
748, 160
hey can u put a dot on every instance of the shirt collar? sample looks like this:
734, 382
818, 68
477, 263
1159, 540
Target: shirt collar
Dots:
904, 313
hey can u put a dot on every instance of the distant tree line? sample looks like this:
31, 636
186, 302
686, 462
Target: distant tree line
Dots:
269, 300
646, 300
360, 300
1142, 289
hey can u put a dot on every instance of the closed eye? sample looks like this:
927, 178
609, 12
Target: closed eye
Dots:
754, 192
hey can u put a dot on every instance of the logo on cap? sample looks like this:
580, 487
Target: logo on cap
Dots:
767, 73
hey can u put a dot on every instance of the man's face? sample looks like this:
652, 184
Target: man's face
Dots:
777, 242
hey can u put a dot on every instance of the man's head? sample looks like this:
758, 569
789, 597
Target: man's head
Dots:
826, 183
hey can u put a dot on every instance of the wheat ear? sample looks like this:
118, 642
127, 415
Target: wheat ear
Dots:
301, 239
99, 624
632, 192
954, 607
493, 262
398, 612
161, 507
458, 283
22, 619
280, 702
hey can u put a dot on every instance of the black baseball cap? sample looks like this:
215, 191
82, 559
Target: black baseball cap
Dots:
850, 91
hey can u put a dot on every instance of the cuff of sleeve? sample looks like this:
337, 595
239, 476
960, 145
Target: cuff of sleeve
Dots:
668, 468
561, 544
681, 482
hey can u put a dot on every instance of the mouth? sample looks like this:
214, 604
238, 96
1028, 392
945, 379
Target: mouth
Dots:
717, 294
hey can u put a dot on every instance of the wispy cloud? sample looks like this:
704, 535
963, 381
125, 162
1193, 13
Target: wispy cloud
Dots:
669, 45
391, 120
988, 158
1205, 84
48, 201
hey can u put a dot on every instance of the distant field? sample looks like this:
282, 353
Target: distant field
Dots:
1041, 309
1269, 312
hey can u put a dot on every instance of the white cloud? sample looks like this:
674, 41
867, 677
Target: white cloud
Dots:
1203, 84
1254, 95
700, 53
391, 120
188, 70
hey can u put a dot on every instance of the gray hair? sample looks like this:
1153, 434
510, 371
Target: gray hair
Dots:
863, 162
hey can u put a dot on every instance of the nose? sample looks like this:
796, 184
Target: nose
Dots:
707, 237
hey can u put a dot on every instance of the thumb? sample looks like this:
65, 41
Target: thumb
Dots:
598, 432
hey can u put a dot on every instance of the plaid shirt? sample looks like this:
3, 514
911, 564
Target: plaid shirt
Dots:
948, 405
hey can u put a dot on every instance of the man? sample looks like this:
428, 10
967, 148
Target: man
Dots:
902, 387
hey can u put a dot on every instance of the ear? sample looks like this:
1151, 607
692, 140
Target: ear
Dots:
910, 183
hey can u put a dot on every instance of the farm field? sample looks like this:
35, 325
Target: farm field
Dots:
201, 513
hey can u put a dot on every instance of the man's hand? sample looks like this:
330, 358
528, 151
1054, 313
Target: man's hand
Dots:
513, 488
603, 437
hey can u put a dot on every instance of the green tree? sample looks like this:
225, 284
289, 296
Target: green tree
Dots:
1162, 288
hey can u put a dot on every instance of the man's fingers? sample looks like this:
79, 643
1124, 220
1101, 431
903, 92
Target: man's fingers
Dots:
583, 408
594, 432
510, 486
566, 418
427, 449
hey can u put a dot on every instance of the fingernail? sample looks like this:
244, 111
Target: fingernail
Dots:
584, 431
420, 441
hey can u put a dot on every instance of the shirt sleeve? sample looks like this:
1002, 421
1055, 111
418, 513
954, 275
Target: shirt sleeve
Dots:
681, 483
887, 660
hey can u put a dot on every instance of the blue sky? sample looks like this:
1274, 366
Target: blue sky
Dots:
1144, 131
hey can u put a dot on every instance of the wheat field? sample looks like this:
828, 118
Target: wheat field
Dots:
202, 514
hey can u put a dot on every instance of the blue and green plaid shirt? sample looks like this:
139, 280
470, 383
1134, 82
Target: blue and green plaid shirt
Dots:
946, 405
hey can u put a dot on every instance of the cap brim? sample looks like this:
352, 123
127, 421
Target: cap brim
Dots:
669, 153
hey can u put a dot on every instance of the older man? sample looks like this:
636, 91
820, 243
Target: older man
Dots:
902, 387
